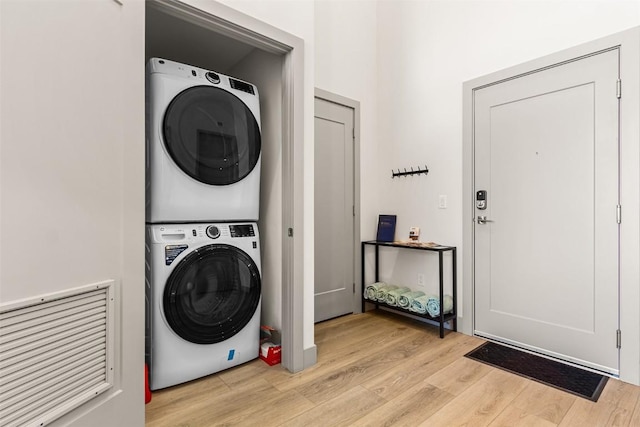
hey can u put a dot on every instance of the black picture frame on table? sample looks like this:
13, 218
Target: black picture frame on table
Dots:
386, 228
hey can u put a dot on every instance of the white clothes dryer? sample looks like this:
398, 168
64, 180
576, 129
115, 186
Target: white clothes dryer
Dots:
203, 296
203, 145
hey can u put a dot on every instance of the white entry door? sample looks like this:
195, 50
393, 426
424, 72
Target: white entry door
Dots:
334, 210
546, 244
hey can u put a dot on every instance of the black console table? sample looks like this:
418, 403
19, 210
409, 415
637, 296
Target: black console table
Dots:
442, 318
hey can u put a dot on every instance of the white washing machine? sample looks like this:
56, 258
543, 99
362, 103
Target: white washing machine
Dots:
203, 296
203, 145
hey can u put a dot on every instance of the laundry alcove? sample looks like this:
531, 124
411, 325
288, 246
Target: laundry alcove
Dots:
226, 41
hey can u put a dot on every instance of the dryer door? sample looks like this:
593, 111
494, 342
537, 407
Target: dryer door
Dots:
212, 294
211, 135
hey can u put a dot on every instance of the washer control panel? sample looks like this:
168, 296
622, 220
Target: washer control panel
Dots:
242, 230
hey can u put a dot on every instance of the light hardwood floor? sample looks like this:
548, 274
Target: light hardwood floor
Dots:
382, 369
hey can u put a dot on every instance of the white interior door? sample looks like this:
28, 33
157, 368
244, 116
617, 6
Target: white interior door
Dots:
546, 266
334, 210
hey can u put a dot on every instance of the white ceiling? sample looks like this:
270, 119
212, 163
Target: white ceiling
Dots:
171, 38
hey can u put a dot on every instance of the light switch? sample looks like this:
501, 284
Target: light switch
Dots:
442, 201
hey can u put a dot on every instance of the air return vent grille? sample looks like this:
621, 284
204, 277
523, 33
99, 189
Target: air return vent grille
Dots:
56, 352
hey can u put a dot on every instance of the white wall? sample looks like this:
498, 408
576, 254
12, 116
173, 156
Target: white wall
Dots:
72, 171
426, 50
346, 64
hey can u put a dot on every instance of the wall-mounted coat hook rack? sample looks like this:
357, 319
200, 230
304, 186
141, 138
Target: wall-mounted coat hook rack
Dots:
409, 172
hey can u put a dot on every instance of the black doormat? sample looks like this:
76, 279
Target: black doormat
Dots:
567, 378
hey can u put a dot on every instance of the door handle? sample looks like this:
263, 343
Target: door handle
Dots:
483, 219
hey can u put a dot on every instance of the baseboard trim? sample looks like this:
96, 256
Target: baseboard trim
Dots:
310, 357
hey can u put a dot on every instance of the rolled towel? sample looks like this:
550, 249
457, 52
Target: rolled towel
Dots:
407, 298
433, 305
371, 290
419, 304
381, 295
393, 295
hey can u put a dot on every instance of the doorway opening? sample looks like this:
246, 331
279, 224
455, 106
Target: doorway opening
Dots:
223, 38
549, 172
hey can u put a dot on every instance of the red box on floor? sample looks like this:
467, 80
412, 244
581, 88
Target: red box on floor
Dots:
147, 392
270, 353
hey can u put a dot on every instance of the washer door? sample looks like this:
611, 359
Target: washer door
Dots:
211, 135
212, 294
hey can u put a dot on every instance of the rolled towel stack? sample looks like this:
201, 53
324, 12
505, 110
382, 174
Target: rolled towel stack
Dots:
419, 304
433, 305
407, 298
404, 297
394, 294
381, 295
371, 290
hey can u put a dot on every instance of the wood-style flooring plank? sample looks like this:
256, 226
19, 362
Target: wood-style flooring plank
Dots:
214, 406
174, 402
273, 409
410, 408
625, 398
481, 403
435, 356
334, 329
364, 368
342, 410
635, 417
345, 358
240, 375
538, 404
615, 407
515, 417
364, 330
459, 375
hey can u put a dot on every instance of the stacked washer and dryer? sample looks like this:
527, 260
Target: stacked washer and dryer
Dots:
203, 282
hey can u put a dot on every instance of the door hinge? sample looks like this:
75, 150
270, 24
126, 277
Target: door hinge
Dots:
619, 214
290, 232
354, 209
353, 133
618, 338
354, 288
619, 88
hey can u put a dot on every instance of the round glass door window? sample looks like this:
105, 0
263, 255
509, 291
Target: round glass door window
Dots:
211, 135
212, 294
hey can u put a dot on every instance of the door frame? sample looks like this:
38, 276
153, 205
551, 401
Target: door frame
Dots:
234, 24
629, 246
355, 106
